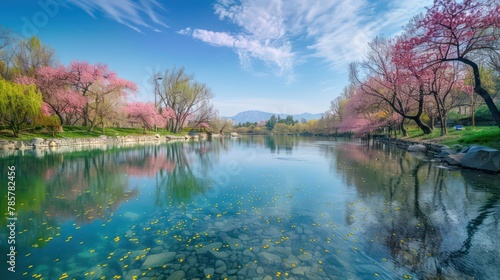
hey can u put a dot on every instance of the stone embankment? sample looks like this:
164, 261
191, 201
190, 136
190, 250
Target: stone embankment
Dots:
474, 157
73, 144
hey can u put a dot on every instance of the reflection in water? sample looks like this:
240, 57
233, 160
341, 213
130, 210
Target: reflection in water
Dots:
427, 217
242, 208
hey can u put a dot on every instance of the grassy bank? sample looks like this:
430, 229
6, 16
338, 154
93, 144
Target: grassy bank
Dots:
479, 135
80, 132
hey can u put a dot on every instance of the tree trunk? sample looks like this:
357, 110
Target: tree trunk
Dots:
440, 112
481, 91
425, 128
403, 129
473, 111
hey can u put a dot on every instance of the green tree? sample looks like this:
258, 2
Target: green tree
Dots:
30, 55
271, 122
187, 98
19, 104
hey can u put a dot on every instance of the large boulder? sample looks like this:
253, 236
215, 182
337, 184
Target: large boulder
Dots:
454, 159
483, 158
417, 148
37, 141
446, 151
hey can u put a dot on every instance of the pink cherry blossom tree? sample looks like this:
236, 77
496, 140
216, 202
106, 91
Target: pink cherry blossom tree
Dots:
145, 115
466, 31
389, 79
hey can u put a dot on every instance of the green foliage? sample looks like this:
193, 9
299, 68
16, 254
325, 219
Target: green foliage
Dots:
50, 123
19, 105
479, 135
271, 122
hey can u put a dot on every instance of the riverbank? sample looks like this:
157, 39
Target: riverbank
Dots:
473, 157
41, 146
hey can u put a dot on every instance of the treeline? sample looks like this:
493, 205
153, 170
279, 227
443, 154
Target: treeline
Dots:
37, 91
446, 62
287, 126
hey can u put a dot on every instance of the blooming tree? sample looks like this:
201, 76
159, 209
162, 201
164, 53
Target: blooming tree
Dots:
189, 100
146, 115
466, 32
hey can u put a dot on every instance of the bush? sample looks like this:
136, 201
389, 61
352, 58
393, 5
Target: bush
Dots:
50, 123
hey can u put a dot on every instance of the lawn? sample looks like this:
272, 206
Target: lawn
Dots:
79, 132
479, 135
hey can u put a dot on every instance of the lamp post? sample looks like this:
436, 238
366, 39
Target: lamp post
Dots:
157, 90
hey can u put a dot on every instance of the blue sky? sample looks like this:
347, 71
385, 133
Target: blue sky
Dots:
280, 56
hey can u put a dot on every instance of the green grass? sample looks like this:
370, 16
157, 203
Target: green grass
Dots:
80, 132
479, 135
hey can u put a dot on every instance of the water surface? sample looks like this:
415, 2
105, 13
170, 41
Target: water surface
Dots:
251, 207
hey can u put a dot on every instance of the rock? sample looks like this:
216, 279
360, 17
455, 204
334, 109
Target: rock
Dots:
220, 267
456, 147
36, 141
248, 253
291, 261
267, 277
178, 275
219, 255
209, 247
454, 159
260, 270
20, 145
268, 258
419, 148
482, 158
157, 136
8, 146
445, 151
158, 260
132, 274
103, 137
131, 216
52, 143
234, 243
209, 272
301, 270
305, 256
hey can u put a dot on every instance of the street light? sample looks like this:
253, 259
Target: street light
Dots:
157, 90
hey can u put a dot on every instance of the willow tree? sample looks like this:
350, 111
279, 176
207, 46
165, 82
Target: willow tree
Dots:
19, 104
184, 96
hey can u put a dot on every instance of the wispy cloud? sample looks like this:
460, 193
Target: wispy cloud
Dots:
285, 33
134, 14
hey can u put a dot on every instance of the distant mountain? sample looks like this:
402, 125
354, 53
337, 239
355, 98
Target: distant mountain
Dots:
256, 116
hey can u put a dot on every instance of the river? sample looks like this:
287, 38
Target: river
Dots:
255, 207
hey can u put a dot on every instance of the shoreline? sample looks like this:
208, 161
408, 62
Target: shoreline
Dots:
42, 145
475, 157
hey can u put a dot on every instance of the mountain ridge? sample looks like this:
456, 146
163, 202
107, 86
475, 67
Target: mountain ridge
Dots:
256, 116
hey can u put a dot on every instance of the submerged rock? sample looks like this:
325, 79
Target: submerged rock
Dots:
268, 258
158, 260
455, 159
177, 275
131, 216
417, 148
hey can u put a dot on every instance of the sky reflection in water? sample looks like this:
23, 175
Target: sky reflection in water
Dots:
306, 208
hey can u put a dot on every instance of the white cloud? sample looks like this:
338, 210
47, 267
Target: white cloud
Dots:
133, 14
276, 55
275, 31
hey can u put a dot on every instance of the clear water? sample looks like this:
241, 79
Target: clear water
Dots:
251, 208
